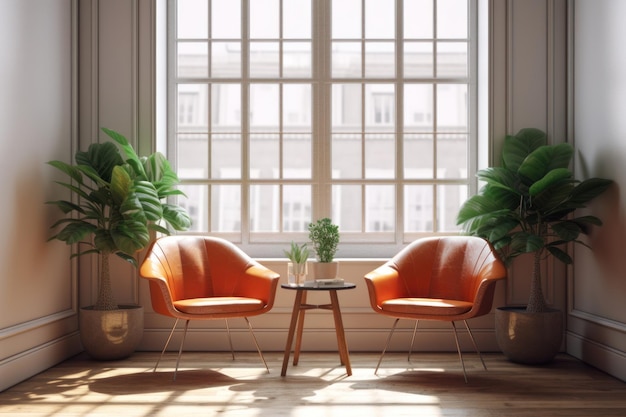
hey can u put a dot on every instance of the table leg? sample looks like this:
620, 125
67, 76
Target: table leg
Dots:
341, 337
292, 328
296, 353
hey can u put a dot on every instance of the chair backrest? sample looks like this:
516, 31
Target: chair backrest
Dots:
449, 267
197, 266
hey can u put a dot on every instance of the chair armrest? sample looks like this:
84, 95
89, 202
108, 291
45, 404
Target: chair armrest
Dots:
260, 283
382, 284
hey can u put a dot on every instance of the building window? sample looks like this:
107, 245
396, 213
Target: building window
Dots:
287, 111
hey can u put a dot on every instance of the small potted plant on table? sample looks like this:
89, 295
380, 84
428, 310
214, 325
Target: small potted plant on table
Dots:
296, 269
325, 237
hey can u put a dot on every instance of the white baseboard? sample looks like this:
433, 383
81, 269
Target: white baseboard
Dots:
18, 368
605, 358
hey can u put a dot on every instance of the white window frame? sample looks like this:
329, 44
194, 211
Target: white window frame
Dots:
363, 245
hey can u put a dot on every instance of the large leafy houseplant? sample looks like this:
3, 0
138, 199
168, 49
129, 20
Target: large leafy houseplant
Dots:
528, 204
118, 201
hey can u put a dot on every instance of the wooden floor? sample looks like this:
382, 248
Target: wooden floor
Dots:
212, 384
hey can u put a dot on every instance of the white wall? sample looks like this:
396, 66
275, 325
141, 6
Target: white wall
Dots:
597, 288
38, 325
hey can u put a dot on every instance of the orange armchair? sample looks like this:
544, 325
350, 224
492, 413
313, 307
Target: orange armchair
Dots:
204, 278
447, 278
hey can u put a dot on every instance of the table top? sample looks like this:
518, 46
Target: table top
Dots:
313, 286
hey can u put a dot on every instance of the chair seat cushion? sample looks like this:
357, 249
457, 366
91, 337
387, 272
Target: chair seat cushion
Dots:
426, 306
218, 305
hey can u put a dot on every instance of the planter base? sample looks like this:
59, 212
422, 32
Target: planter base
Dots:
109, 335
325, 270
529, 338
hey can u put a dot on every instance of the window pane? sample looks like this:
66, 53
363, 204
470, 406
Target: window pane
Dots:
297, 59
451, 19
380, 212
264, 156
226, 208
452, 108
296, 19
346, 60
296, 208
192, 19
380, 59
196, 205
264, 59
226, 107
348, 199
226, 156
450, 198
418, 59
226, 59
264, 109
452, 156
418, 156
192, 156
380, 107
264, 19
346, 107
193, 59
264, 208
297, 107
418, 107
346, 19
418, 208
192, 107
297, 156
346, 156
225, 19
380, 156
451, 59
418, 19
379, 19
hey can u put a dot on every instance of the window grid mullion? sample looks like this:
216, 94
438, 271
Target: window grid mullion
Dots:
245, 122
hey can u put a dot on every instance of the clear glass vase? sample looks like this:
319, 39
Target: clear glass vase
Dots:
296, 274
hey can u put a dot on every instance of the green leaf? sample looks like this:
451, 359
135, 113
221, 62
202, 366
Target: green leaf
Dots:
552, 178
516, 148
133, 158
543, 160
75, 232
73, 172
560, 254
567, 230
176, 216
101, 158
589, 189
120, 184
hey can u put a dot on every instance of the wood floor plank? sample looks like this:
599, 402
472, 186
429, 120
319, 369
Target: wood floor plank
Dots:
212, 384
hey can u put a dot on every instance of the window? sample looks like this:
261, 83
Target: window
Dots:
286, 111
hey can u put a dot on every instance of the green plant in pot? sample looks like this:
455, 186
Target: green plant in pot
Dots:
297, 268
117, 200
528, 206
324, 236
